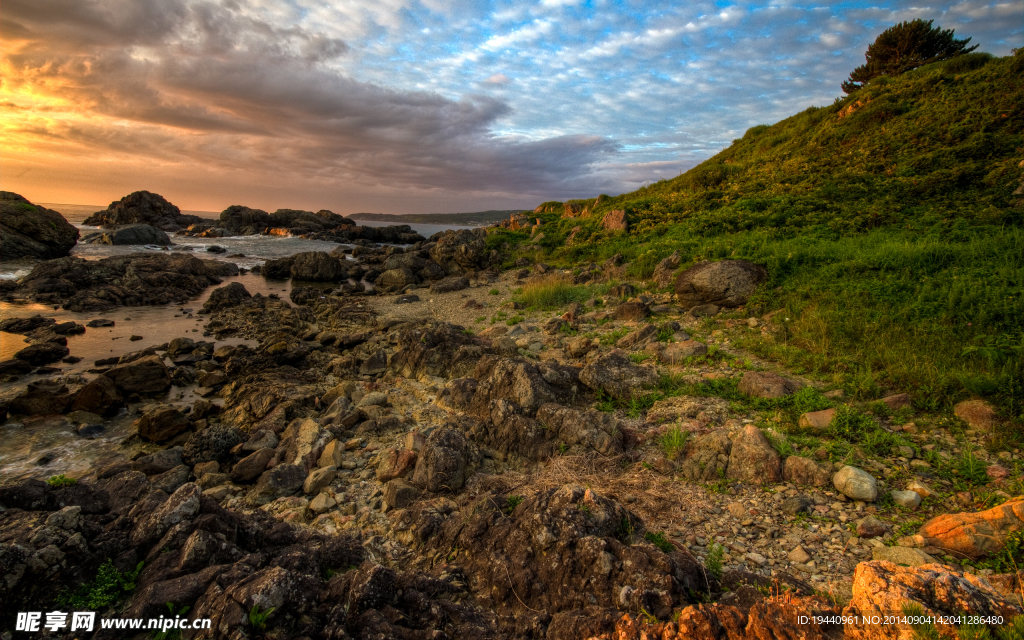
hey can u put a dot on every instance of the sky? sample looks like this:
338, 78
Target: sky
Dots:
415, 106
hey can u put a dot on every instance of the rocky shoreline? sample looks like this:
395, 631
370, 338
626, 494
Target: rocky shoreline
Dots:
426, 459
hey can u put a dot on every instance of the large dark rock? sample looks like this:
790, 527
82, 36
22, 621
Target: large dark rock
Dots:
449, 284
130, 234
460, 250
765, 384
99, 396
396, 279
282, 480
728, 283
708, 459
161, 422
244, 220
146, 375
41, 397
211, 444
318, 266
30, 231
142, 207
42, 353
131, 280
444, 462
617, 376
227, 296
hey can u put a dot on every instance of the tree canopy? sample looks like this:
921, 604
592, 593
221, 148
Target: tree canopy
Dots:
906, 46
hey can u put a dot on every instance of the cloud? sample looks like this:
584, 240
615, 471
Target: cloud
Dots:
422, 101
202, 82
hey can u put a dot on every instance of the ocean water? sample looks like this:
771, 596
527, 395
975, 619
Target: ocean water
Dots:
22, 442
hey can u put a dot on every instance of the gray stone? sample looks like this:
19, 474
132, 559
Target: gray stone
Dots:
907, 499
319, 479
856, 484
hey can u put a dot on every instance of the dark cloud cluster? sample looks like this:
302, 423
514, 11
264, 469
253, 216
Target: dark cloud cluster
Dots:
205, 82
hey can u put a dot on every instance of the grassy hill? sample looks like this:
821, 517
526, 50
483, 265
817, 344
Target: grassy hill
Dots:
887, 221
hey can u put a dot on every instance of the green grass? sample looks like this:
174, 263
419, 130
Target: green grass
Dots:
673, 442
258, 619
107, 588
61, 481
713, 561
890, 235
552, 292
659, 540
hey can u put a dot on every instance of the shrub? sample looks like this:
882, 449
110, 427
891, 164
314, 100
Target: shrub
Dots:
108, 587
61, 481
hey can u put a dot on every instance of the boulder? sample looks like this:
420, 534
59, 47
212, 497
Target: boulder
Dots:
614, 374
99, 396
395, 463
318, 266
906, 499
871, 527
252, 466
632, 311
161, 422
399, 494
817, 420
42, 353
727, 283
396, 280
590, 429
753, 459
615, 220
282, 480
882, 589
449, 284
318, 479
708, 458
30, 231
211, 444
443, 465
228, 296
142, 207
975, 535
460, 250
146, 375
904, 556
856, 484
804, 471
42, 397
765, 384
677, 352
130, 234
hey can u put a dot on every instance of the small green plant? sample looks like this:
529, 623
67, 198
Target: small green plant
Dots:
612, 337
624, 530
512, 502
639, 357
971, 468
494, 292
673, 442
562, 448
649, 617
61, 481
659, 540
108, 587
851, 425
172, 634
258, 619
514, 320
713, 561
585, 508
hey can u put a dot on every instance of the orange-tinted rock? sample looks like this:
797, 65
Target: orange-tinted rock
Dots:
615, 220
817, 419
882, 589
975, 535
979, 414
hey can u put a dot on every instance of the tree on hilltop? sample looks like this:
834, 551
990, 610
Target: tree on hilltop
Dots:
906, 46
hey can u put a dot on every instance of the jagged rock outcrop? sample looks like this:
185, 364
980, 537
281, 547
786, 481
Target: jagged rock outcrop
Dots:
135, 279
142, 207
31, 231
